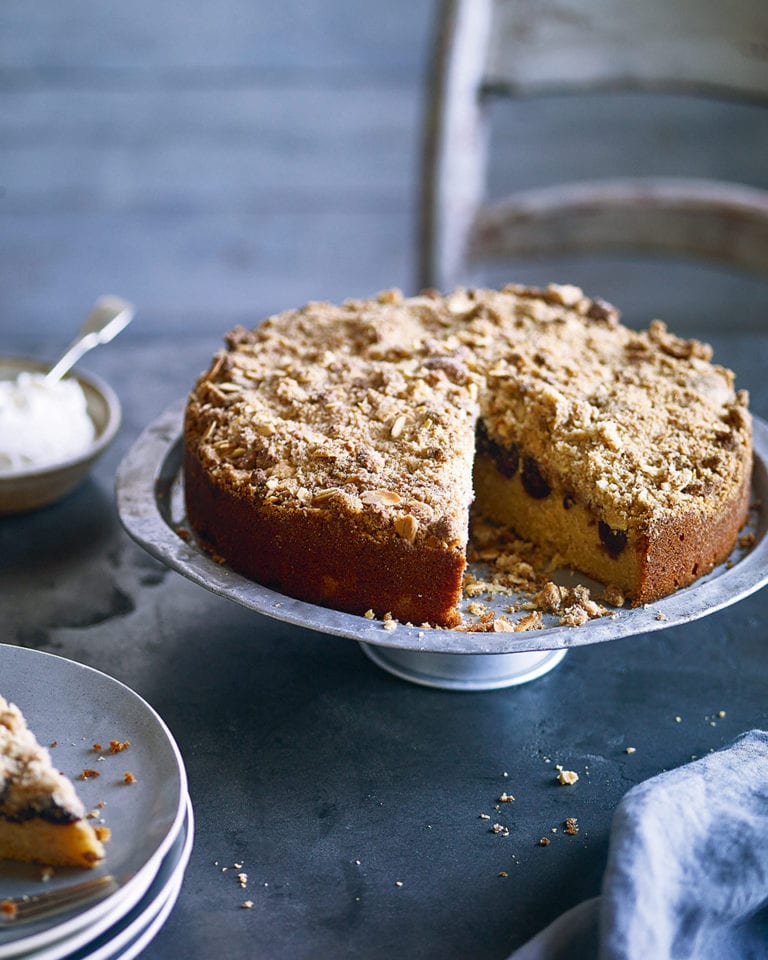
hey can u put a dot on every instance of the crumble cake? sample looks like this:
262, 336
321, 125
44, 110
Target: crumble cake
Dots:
41, 817
333, 451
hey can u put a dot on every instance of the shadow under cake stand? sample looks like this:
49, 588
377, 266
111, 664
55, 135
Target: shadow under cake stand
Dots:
150, 502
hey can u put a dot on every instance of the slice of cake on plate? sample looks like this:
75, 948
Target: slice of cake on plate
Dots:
41, 817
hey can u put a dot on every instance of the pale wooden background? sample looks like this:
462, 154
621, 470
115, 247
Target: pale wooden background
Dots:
217, 162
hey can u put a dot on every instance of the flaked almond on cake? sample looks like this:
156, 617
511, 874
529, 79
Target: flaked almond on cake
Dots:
41, 817
333, 452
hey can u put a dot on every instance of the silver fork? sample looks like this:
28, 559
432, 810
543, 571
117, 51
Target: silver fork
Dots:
39, 906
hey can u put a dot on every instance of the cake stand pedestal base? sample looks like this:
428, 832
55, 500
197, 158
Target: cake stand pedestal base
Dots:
464, 671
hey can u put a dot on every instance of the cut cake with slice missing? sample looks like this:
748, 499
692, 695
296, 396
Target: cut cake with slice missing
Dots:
41, 816
333, 452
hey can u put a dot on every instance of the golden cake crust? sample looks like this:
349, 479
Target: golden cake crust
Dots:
330, 451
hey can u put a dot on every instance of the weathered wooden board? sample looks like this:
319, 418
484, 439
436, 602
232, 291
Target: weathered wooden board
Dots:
219, 165
213, 166
197, 271
150, 42
274, 147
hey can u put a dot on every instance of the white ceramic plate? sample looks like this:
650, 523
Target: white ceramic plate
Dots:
116, 928
146, 935
133, 932
77, 706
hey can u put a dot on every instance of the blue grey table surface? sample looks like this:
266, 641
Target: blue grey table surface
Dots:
213, 168
352, 799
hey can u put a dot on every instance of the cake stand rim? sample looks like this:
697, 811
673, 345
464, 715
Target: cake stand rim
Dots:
152, 465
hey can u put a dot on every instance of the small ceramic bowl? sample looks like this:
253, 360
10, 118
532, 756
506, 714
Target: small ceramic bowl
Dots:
28, 489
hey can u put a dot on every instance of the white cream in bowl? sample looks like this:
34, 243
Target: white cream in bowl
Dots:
41, 423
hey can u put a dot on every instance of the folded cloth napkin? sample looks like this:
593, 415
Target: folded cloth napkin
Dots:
687, 871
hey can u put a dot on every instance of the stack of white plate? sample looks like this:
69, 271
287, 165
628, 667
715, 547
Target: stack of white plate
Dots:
150, 817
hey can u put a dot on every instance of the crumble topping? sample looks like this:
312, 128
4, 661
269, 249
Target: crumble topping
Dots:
353, 408
567, 777
517, 568
29, 785
373, 403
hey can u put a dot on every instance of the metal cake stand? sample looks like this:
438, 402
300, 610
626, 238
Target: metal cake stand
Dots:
151, 507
